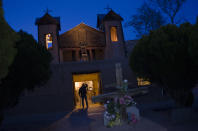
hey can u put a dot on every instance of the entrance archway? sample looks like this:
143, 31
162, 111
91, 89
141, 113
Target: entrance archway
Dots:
94, 87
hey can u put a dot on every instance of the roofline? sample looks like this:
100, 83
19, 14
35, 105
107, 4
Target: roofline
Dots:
82, 23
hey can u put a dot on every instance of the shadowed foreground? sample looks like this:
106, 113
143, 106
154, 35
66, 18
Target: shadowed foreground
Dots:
92, 120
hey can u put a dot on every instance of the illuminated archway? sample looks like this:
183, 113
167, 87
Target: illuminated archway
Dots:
94, 87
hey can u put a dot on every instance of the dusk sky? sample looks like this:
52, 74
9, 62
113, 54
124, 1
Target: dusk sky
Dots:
21, 14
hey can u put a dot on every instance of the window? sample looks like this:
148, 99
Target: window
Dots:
143, 82
48, 41
114, 36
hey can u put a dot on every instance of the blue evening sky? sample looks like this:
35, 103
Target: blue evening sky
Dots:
21, 14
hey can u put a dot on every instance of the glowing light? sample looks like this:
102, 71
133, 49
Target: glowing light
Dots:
49, 41
142, 82
77, 84
92, 80
114, 36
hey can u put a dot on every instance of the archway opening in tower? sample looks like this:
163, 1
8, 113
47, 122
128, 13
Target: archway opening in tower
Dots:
93, 89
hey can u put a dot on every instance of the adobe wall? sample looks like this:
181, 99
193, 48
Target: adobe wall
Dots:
52, 29
57, 95
114, 49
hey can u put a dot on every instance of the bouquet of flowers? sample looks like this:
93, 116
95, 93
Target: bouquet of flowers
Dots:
111, 115
116, 108
125, 101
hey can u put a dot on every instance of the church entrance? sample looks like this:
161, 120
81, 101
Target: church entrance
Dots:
94, 87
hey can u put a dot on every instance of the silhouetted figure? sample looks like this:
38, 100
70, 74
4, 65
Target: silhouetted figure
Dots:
83, 94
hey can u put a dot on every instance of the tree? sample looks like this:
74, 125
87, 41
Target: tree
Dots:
7, 40
194, 46
169, 7
7, 50
168, 56
152, 14
31, 68
146, 19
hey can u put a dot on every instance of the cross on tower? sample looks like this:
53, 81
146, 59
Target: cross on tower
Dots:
108, 8
47, 10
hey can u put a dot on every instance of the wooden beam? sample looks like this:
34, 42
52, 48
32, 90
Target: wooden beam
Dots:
130, 92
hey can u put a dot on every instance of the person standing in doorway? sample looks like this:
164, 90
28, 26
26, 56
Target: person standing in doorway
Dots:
83, 94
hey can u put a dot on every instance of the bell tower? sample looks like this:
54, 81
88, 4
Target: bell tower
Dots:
48, 33
111, 24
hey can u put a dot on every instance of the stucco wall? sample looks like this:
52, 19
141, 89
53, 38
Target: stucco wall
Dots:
114, 49
57, 94
52, 29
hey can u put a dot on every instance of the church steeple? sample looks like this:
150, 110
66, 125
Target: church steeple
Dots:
48, 33
112, 16
47, 19
115, 43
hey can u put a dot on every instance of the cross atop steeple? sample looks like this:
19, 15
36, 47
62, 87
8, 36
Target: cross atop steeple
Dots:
108, 8
47, 11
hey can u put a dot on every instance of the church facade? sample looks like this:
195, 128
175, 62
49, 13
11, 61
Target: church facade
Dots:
83, 43
81, 55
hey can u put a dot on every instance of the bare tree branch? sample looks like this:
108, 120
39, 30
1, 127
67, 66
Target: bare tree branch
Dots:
146, 19
169, 7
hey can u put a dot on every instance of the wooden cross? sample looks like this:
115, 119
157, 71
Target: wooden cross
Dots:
119, 85
122, 86
111, 95
47, 11
108, 8
119, 77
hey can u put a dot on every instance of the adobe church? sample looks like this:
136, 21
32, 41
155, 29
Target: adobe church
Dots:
83, 43
81, 55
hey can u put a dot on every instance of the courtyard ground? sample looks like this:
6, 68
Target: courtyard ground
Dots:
155, 114
92, 120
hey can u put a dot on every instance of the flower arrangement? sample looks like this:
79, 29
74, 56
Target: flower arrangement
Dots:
111, 115
114, 110
134, 119
126, 101
115, 113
